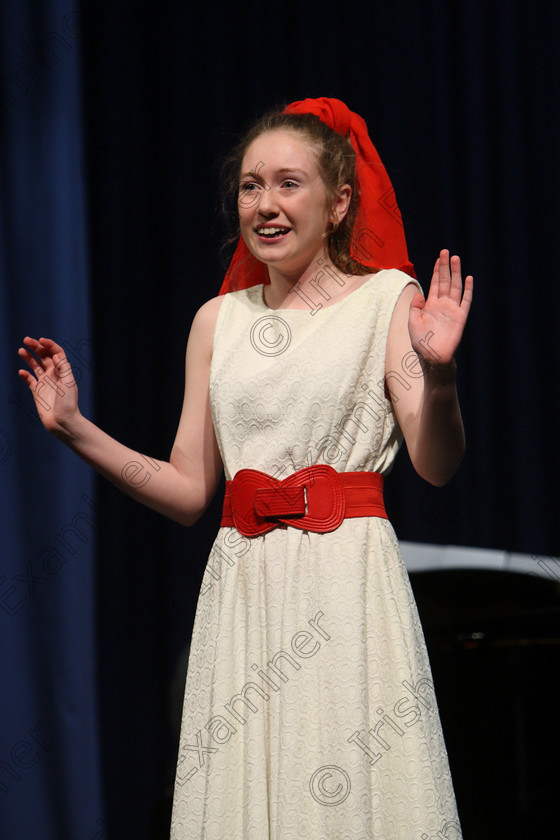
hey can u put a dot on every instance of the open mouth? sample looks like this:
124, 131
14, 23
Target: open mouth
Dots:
272, 232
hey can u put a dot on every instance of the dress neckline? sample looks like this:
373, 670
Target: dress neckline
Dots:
260, 297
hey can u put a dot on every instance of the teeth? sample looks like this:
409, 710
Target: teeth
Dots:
271, 231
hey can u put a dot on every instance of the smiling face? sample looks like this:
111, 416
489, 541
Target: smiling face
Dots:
282, 203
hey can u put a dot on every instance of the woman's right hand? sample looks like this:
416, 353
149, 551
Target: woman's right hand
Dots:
51, 383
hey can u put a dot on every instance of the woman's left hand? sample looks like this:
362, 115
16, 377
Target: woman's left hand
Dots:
436, 323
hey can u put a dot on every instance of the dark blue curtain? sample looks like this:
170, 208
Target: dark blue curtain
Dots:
114, 121
50, 781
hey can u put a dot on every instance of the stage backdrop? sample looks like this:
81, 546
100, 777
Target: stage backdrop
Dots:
114, 122
50, 772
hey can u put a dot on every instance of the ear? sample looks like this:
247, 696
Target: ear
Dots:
341, 204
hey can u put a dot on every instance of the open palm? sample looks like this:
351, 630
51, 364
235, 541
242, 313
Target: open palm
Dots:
50, 380
436, 323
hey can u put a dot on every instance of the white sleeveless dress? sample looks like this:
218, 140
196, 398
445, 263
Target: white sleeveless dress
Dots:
309, 710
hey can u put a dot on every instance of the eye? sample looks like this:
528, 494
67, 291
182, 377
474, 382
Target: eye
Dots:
248, 186
289, 184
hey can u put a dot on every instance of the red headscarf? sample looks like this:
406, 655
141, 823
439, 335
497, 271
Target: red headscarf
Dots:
377, 236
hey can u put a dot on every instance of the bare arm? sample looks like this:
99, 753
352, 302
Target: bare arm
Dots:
428, 413
180, 488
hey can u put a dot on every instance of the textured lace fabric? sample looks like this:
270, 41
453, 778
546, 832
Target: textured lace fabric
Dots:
309, 709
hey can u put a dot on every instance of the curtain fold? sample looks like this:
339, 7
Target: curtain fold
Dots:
50, 780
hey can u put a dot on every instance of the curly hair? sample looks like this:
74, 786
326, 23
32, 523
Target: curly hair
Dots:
336, 161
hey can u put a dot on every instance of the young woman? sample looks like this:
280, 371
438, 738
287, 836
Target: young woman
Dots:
309, 707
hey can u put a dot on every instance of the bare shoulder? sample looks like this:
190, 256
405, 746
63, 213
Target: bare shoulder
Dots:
398, 337
207, 315
203, 326
398, 328
401, 359
404, 299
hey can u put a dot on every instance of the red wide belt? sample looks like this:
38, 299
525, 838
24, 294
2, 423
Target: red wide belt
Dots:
314, 499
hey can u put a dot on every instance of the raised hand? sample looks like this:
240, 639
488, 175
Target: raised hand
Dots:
436, 323
51, 382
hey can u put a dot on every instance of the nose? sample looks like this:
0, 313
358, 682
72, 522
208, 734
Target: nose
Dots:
267, 205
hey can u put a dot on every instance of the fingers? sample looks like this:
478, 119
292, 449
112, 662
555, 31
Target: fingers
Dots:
444, 277
27, 378
34, 363
456, 284
449, 279
51, 345
461, 292
42, 355
467, 294
434, 284
43, 347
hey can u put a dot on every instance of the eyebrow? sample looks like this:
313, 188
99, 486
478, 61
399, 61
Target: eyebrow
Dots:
253, 173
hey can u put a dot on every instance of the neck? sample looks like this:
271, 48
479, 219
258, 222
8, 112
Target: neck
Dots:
320, 283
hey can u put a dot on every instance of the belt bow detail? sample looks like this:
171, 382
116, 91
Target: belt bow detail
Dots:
316, 498
311, 499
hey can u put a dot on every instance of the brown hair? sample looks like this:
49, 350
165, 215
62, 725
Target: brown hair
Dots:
337, 166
